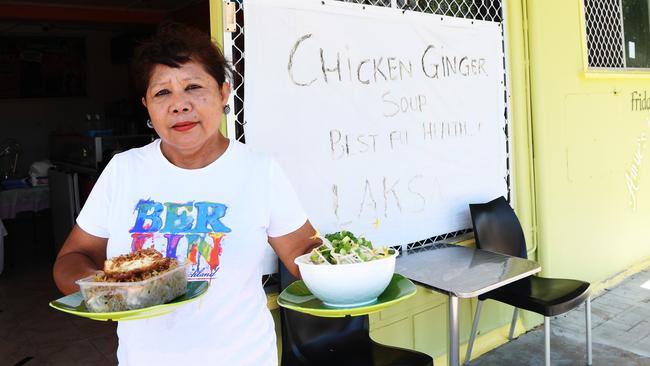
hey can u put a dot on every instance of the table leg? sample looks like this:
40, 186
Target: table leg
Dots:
453, 353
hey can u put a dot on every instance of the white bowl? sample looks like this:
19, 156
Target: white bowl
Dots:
347, 285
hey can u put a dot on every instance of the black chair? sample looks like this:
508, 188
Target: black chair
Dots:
497, 229
314, 341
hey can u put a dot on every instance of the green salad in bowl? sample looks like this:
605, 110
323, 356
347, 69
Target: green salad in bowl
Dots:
343, 247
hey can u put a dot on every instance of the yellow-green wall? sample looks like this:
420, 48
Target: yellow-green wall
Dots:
585, 140
574, 138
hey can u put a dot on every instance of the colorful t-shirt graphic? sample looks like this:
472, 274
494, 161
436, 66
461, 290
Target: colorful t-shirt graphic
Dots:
191, 231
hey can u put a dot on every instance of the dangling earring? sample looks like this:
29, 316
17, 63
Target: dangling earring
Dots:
149, 124
226, 109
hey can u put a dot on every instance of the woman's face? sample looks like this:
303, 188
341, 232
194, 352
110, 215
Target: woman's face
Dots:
185, 105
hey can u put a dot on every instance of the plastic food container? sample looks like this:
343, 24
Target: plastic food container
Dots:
105, 297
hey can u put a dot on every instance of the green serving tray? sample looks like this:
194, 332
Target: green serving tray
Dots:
74, 304
298, 297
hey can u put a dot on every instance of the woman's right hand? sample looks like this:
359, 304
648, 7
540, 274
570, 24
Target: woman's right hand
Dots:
82, 255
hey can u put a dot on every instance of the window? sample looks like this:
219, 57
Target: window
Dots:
618, 34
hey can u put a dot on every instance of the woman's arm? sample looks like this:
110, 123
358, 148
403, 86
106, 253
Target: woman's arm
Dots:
294, 244
82, 255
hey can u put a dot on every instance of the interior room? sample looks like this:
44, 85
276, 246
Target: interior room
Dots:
68, 105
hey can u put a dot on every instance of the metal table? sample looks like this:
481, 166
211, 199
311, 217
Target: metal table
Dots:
461, 272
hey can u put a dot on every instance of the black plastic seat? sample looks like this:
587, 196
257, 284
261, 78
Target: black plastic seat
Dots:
545, 296
316, 341
497, 229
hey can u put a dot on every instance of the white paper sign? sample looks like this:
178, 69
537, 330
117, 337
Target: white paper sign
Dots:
388, 123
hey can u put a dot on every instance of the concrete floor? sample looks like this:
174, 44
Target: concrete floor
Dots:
31, 333
620, 332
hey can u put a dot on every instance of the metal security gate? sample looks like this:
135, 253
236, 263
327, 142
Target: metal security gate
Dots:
486, 10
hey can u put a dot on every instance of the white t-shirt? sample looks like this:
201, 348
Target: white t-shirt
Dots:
218, 218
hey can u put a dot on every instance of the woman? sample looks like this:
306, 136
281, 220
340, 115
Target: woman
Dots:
196, 196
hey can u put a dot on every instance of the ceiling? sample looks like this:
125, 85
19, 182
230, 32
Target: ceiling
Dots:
141, 5
104, 11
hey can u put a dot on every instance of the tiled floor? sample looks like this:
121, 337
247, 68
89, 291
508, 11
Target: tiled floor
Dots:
620, 332
32, 333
